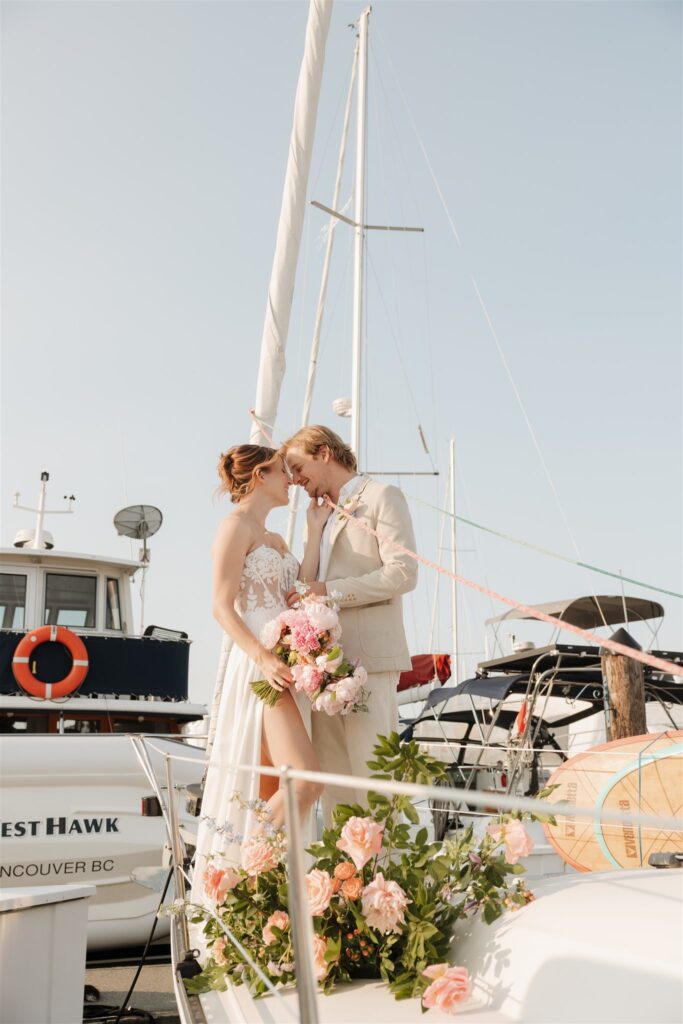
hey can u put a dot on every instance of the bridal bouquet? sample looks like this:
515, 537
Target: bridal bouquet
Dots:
307, 638
383, 899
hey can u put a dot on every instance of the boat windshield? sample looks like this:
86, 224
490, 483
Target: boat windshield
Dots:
12, 600
70, 600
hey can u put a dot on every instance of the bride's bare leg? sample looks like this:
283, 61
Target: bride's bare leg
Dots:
286, 742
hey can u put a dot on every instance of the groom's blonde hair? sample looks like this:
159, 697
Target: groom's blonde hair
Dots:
312, 439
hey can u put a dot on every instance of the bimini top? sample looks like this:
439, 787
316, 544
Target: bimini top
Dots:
592, 611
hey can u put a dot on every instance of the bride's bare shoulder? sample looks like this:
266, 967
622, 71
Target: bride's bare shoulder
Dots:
234, 533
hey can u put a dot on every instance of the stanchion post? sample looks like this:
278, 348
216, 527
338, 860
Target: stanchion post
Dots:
302, 926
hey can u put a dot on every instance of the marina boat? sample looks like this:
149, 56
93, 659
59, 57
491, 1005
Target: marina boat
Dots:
76, 682
525, 713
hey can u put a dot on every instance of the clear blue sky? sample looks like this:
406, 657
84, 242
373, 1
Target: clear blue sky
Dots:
143, 155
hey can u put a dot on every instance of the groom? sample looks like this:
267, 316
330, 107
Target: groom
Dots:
370, 575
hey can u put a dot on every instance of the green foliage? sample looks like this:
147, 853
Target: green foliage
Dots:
443, 881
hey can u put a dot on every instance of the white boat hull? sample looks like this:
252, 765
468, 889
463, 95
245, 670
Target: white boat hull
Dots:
71, 813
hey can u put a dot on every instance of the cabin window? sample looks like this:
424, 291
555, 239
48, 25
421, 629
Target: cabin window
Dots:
12, 600
15, 722
113, 620
70, 600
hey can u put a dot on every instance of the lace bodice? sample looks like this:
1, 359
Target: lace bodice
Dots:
266, 578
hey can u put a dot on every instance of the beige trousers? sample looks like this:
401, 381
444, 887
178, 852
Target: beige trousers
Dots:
344, 744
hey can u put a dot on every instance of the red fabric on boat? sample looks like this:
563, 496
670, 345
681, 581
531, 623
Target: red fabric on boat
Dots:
425, 668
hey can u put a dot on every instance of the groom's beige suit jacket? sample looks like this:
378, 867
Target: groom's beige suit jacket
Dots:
370, 575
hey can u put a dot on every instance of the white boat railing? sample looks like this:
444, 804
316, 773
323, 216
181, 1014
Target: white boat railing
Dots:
302, 922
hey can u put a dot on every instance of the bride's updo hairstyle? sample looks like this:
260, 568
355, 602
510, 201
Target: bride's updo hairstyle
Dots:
237, 468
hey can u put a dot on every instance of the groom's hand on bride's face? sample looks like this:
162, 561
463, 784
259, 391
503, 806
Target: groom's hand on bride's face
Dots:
317, 587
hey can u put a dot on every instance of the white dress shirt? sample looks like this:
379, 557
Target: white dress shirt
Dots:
346, 491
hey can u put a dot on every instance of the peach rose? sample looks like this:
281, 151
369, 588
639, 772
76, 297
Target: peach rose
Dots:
279, 919
518, 843
451, 985
384, 904
319, 888
361, 838
219, 881
218, 952
351, 887
344, 870
320, 965
258, 857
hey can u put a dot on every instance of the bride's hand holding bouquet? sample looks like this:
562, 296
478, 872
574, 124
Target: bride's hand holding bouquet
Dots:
305, 640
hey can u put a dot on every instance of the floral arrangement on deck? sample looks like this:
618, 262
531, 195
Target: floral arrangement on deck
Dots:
383, 898
306, 638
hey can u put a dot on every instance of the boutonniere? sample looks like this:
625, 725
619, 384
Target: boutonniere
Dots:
350, 507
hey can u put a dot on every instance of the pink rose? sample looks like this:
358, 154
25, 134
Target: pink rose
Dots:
451, 986
219, 881
258, 857
384, 904
320, 965
218, 952
279, 919
319, 888
361, 838
321, 617
518, 843
271, 632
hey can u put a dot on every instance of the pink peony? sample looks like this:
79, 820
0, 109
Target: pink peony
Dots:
307, 678
346, 689
219, 881
271, 633
321, 617
320, 965
327, 702
518, 843
258, 857
319, 888
330, 661
384, 904
279, 919
304, 638
361, 838
451, 985
218, 952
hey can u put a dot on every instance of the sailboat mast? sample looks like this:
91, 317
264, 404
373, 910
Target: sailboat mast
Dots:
359, 252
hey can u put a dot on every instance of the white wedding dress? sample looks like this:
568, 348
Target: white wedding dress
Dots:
225, 822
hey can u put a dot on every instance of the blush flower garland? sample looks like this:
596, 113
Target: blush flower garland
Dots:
383, 899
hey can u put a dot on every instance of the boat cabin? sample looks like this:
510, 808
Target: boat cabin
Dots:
132, 683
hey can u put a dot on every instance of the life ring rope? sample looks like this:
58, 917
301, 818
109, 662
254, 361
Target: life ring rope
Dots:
26, 649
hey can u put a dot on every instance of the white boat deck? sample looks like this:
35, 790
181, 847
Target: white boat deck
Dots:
599, 948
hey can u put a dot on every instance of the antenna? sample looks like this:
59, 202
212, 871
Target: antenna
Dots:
139, 522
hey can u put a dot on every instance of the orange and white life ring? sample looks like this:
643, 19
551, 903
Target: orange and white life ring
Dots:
26, 649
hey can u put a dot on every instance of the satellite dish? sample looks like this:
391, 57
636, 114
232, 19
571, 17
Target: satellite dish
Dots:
139, 522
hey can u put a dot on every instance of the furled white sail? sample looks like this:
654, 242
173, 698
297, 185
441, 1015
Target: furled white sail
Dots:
281, 287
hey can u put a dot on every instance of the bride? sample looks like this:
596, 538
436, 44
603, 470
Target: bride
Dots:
253, 570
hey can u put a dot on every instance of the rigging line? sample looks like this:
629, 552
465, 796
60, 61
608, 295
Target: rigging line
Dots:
489, 322
397, 347
409, 252
661, 664
546, 551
